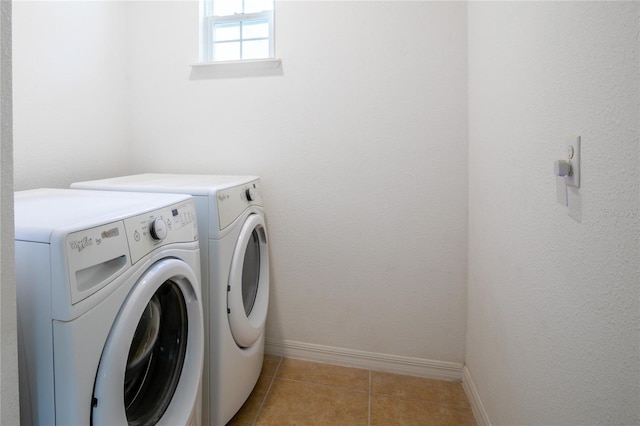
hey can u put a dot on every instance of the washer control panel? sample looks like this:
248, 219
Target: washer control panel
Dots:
173, 224
96, 255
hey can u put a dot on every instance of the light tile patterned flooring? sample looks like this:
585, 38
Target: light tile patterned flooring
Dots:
295, 392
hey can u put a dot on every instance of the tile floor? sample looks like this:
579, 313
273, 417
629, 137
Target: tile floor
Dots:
295, 392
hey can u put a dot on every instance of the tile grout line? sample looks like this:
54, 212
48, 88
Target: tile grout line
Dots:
364, 391
273, 379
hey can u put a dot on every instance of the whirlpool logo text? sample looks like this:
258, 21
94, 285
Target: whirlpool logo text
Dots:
81, 244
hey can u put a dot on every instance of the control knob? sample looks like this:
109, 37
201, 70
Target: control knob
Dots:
251, 193
158, 228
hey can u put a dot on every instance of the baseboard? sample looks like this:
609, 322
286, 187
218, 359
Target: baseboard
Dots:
440, 370
474, 398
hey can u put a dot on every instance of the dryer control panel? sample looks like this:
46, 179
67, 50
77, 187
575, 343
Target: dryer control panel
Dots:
233, 201
173, 224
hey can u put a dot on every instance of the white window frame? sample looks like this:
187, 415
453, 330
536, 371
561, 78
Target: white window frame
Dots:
209, 20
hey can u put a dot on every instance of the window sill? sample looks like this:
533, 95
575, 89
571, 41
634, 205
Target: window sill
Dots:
236, 69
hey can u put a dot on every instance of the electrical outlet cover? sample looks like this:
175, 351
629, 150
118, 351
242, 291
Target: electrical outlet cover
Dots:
573, 146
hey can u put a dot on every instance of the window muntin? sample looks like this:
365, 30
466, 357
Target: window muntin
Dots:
235, 30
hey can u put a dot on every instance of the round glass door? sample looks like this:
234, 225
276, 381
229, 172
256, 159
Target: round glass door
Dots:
251, 273
248, 288
156, 356
151, 364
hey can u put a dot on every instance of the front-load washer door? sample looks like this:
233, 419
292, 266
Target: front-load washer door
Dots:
248, 288
150, 368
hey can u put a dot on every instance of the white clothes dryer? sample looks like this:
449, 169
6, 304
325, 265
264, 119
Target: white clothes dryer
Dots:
110, 325
235, 265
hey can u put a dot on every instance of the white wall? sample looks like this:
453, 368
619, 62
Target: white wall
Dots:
552, 330
361, 144
69, 91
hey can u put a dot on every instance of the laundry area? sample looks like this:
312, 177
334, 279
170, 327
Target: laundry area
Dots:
393, 191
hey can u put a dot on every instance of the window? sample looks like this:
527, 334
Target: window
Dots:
234, 30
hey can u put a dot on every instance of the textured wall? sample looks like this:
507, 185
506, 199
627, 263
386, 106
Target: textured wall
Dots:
69, 91
361, 144
552, 332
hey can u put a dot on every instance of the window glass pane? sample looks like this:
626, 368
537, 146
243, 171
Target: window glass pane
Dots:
227, 7
252, 6
227, 31
237, 29
255, 29
227, 51
255, 49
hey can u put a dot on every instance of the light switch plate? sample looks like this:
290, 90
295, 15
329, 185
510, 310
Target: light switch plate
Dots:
573, 149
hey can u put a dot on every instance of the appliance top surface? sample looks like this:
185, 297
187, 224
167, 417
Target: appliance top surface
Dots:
40, 212
162, 182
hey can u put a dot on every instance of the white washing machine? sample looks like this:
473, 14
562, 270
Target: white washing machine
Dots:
110, 324
235, 265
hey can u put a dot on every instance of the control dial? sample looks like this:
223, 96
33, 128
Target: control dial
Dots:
158, 228
251, 193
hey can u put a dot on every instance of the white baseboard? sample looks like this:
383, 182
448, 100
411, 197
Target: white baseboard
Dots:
440, 370
474, 398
